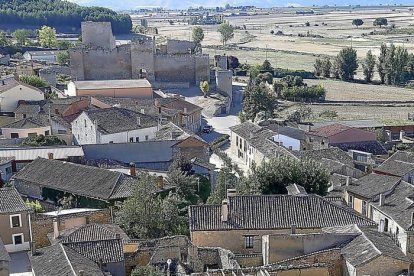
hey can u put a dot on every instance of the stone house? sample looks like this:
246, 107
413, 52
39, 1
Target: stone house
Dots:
13, 91
112, 88
28, 127
113, 125
400, 164
15, 228
6, 169
4, 260
29, 68
48, 56
176, 62
251, 143
50, 180
240, 222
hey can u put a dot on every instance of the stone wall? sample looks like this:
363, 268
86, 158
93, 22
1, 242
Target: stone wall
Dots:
42, 225
383, 266
178, 47
175, 68
98, 34
142, 59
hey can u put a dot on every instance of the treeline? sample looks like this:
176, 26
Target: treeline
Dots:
58, 14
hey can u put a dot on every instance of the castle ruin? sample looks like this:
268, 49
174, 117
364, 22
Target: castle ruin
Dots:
99, 58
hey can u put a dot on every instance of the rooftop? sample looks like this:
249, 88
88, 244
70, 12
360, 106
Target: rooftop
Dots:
170, 131
395, 167
373, 147
372, 185
115, 120
273, 212
28, 123
61, 260
78, 179
112, 84
364, 123
31, 153
11, 201
330, 130
333, 153
4, 255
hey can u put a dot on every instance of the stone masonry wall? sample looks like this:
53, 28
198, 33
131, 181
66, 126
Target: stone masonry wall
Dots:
98, 34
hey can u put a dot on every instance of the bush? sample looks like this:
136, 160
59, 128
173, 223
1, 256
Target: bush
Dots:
216, 142
304, 93
331, 114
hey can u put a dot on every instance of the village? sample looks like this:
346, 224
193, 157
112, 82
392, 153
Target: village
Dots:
147, 156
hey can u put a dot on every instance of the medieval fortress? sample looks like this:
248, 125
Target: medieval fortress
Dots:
100, 58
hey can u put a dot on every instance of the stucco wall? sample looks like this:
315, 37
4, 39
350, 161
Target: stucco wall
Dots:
138, 92
124, 137
11, 97
382, 266
24, 133
7, 232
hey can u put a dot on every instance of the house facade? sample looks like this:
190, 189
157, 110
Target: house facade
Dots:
49, 56
15, 228
28, 127
113, 125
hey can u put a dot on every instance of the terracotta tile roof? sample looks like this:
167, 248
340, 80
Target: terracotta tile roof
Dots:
273, 212
330, 130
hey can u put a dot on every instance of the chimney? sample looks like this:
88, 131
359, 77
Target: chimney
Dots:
139, 121
293, 229
142, 111
185, 110
132, 169
412, 218
55, 228
224, 210
381, 226
348, 181
117, 236
33, 248
81, 272
381, 200
160, 182
50, 155
231, 192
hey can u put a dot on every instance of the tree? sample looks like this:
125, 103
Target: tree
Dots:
226, 31
233, 62
326, 67
258, 98
147, 271
318, 67
34, 80
42, 141
4, 41
21, 36
381, 22
347, 63
381, 65
267, 66
198, 34
185, 185
396, 61
357, 22
47, 37
63, 58
273, 176
368, 66
205, 88
35, 206
265, 77
225, 180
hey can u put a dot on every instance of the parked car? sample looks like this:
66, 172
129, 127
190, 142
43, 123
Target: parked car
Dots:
207, 129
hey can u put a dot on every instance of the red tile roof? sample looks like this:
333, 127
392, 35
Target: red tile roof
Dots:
330, 130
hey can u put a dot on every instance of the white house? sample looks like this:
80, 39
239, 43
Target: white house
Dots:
113, 125
50, 56
13, 91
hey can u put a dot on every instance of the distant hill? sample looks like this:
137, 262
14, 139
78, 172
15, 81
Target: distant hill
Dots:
62, 15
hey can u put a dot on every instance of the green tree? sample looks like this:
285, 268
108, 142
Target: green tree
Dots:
147, 271
273, 176
205, 88
185, 185
226, 31
267, 66
34, 80
47, 37
265, 77
326, 67
42, 141
318, 67
368, 66
21, 36
347, 63
63, 57
258, 98
138, 29
357, 22
35, 206
254, 71
4, 41
381, 22
381, 65
198, 34
226, 179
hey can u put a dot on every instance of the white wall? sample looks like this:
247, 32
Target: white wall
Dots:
85, 132
24, 133
287, 141
10, 98
71, 91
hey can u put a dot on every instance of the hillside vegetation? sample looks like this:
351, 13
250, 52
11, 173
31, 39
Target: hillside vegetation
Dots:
58, 14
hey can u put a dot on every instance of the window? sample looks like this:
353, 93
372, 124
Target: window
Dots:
15, 221
8, 170
14, 135
364, 207
131, 140
137, 139
237, 141
111, 142
386, 225
351, 201
146, 137
249, 241
62, 131
24, 116
84, 121
47, 133
17, 239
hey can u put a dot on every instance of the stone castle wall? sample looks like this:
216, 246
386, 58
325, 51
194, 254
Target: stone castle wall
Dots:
98, 34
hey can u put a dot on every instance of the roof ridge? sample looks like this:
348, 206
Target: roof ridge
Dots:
67, 259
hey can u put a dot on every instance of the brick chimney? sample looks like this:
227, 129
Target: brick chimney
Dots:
139, 121
132, 169
50, 155
224, 210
